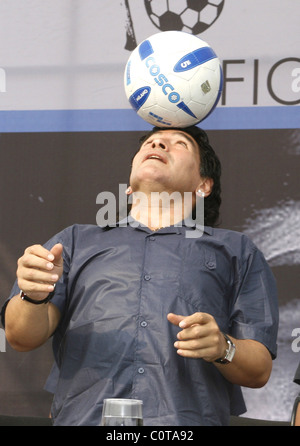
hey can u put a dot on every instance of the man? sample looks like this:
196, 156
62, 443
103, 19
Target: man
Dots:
146, 311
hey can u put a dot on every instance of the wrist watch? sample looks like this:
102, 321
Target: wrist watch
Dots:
230, 351
23, 296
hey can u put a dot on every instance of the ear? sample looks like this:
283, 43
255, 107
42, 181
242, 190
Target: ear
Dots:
206, 186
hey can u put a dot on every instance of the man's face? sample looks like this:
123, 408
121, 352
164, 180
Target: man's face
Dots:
168, 161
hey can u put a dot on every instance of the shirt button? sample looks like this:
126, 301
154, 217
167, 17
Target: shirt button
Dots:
144, 324
141, 370
152, 238
147, 277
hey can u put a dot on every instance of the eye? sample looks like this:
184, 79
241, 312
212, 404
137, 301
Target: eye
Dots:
146, 143
183, 143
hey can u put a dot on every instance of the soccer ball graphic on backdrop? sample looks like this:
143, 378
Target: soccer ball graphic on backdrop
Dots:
173, 79
193, 16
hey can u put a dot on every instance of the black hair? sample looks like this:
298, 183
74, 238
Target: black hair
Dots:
210, 167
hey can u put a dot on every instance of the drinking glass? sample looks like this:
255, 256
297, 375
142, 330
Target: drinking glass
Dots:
122, 412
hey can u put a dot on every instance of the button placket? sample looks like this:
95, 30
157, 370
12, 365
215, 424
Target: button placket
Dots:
142, 322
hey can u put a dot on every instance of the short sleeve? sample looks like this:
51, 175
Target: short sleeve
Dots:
255, 311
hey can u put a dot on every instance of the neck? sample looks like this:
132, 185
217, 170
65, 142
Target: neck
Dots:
159, 210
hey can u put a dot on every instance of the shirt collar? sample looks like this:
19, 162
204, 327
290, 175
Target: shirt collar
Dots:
180, 228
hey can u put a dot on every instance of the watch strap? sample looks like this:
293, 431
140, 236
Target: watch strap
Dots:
23, 296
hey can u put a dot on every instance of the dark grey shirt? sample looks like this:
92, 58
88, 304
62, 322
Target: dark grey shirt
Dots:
114, 339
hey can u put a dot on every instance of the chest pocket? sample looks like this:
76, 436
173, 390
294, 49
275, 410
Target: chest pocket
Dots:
209, 259
203, 284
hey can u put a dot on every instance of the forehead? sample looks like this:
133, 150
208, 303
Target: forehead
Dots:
174, 134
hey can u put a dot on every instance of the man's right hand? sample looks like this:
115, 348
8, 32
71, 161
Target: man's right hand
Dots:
39, 269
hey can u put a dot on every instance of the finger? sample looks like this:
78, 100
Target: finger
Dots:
39, 251
196, 331
57, 251
195, 353
192, 344
33, 261
188, 353
196, 318
37, 275
35, 289
175, 319
38, 257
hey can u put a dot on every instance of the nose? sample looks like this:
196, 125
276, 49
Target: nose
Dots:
158, 143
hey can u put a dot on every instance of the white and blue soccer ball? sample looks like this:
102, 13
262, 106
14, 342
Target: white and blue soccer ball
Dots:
173, 79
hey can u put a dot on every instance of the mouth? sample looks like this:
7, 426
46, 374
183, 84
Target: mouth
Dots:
156, 156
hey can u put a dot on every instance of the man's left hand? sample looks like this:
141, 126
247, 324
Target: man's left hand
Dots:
200, 336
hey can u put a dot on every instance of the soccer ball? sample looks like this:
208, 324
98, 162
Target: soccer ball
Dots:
173, 79
193, 16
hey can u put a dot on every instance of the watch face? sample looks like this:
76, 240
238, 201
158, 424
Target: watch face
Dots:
231, 354
230, 351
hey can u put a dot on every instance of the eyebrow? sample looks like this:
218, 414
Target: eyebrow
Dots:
186, 136
181, 134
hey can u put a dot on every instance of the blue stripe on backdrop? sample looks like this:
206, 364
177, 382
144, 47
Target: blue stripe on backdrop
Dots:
223, 118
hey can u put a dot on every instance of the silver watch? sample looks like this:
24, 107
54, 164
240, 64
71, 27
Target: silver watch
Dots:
230, 351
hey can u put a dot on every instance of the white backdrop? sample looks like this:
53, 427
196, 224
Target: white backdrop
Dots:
69, 55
